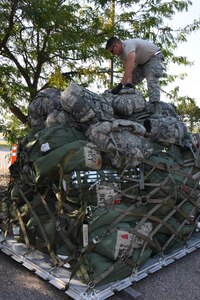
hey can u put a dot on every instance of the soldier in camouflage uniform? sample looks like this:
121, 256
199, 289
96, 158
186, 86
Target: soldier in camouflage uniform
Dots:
142, 59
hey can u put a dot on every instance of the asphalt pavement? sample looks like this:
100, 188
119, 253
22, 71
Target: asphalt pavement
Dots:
177, 281
18, 283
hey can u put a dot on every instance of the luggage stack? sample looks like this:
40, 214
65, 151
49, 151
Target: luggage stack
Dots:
102, 186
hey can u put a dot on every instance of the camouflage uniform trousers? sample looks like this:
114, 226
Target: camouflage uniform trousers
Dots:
152, 71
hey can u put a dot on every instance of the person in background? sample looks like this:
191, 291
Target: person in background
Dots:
142, 59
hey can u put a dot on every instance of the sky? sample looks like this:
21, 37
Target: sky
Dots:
190, 85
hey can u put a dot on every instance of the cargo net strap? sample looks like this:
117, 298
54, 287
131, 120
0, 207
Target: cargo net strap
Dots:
41, 228
107, 224
159, 216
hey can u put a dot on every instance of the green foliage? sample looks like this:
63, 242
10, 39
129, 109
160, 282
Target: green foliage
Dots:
188, 111
14, 131
57, 80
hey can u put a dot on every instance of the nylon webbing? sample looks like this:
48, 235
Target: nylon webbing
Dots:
51, 253
22, 226
63, 234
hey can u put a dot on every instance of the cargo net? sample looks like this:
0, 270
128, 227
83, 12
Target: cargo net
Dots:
98, 192
105, 224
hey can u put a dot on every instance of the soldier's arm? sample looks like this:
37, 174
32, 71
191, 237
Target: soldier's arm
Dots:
129, 66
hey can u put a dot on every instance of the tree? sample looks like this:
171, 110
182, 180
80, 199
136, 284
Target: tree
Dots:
36, 37
189, 112
43, 39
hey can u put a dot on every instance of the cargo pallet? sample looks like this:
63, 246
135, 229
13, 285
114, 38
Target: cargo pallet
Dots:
40, 264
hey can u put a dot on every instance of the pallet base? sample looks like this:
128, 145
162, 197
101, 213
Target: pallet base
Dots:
40, 264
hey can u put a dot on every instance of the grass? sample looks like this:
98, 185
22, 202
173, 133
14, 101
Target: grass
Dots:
3, 143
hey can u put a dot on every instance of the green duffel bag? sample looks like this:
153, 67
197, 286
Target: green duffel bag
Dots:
29, 147
86, 157
100, 270
162, 239
58, 135
14, 191
49, 139
69, 157
32, 151
122, 212
172, 227
49, 228
110, 243
39, 207
187, 209
175, 168
48, 166
114, 244
62, 250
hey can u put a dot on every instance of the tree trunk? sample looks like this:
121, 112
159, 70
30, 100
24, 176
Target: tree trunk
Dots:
18, 113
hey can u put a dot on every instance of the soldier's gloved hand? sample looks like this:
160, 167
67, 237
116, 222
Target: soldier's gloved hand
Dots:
117, 89
129, 85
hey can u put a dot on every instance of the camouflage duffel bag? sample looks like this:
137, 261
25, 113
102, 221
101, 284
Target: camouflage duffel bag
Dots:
166, 130
125, 104
44, 103
122, 140
85, 106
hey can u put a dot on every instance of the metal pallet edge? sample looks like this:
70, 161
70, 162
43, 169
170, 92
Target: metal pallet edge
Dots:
40, 264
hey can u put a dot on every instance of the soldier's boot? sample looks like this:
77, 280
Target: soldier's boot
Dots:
157, 110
